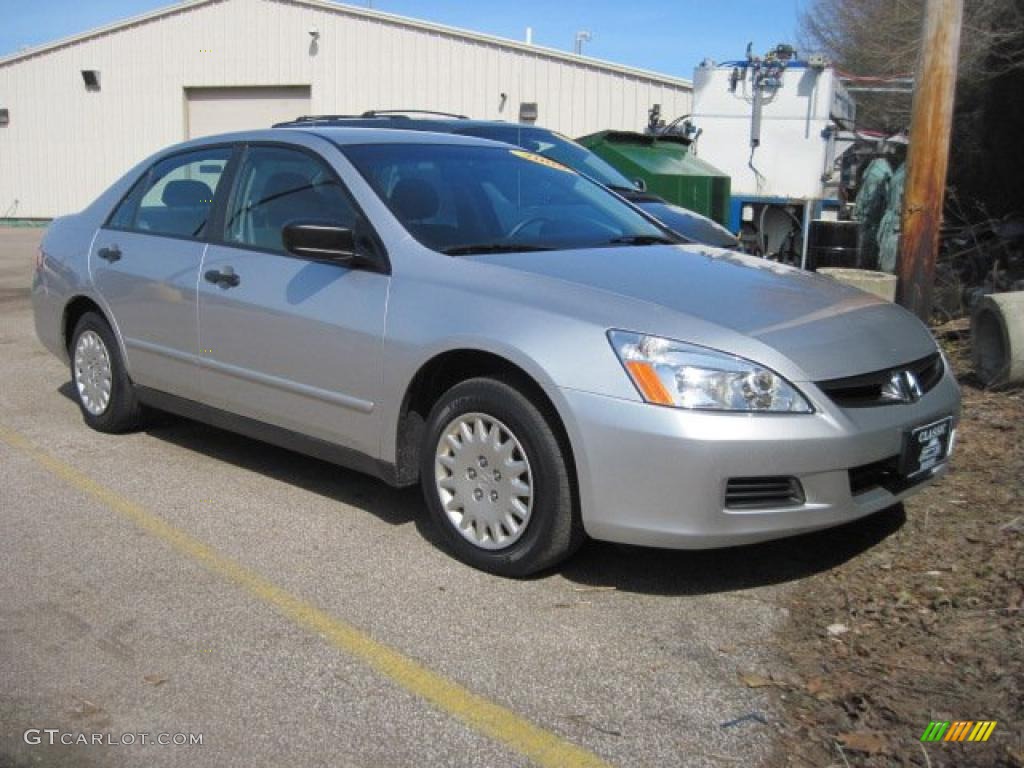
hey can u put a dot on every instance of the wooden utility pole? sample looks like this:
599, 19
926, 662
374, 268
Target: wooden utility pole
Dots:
928, 159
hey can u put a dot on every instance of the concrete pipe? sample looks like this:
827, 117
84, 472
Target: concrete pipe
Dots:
997, 339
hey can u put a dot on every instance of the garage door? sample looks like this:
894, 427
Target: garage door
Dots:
217, 110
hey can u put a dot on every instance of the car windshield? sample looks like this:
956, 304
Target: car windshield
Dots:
462, 199
555, 146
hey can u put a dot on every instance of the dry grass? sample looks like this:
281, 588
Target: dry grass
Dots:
934, 615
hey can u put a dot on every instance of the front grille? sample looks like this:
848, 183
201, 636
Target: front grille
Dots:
763, 492
865, 390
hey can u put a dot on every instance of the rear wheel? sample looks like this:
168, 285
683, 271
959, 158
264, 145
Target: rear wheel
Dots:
103, 390
496, 480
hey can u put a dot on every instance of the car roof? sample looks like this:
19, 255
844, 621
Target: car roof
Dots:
340, 136
346, 135
399, 122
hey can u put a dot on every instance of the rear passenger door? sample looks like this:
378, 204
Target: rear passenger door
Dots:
145, 264
290, 341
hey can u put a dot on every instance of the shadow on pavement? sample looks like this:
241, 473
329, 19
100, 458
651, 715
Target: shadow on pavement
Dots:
698, 572
391, 505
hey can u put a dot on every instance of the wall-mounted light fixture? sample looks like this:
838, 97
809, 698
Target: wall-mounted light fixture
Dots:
5, 116
527, 111
91, 78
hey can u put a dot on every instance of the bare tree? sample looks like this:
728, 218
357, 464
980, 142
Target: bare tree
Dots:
880, 38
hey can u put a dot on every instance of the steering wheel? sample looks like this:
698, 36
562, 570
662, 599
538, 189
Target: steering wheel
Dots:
526, 223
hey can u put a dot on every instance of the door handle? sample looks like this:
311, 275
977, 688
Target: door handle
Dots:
225, 279
111, 253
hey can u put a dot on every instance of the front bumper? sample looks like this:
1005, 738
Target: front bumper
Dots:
657, 476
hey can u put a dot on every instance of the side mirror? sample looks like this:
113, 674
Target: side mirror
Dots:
320, 240
640, 184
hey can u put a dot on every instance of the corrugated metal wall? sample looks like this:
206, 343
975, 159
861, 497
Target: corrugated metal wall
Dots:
64, 144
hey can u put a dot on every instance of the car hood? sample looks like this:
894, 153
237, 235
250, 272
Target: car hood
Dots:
826, 329
693, 226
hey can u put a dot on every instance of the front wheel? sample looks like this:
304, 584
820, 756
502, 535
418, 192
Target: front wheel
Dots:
497, 481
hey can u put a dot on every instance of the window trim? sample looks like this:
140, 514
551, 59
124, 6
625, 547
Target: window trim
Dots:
217, 231
144, 180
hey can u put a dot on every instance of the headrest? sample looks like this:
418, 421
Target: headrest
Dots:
414, 200
186, 193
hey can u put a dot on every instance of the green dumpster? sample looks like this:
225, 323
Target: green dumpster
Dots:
669, 169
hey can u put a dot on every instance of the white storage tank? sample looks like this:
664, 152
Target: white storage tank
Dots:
775, 125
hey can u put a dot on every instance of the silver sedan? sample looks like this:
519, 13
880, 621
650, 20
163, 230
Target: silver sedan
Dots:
544, 359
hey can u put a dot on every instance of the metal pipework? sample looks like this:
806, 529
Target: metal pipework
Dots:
755, 117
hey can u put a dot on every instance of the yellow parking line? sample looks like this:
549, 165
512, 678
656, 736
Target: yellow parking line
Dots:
493, 720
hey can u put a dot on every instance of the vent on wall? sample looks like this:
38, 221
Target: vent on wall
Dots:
5, 116
91, 78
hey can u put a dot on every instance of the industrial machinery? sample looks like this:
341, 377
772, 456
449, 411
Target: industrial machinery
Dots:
778, 126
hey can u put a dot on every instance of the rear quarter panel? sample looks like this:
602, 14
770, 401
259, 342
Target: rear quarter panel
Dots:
64, 274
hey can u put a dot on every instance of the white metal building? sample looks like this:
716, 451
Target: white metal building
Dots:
77, 113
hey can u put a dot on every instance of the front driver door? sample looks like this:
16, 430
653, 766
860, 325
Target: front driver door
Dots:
145, 264
285, 340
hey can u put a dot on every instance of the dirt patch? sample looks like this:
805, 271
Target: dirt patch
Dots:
927, 625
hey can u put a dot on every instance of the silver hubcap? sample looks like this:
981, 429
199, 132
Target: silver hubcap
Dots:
92, 372
483, 479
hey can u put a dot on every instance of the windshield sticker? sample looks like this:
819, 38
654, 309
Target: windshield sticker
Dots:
539, 160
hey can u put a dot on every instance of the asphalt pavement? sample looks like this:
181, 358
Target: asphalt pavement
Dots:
184, 580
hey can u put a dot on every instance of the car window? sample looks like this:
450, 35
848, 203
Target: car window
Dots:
277, 186
124, 213
454, 197
553, 145
175, 197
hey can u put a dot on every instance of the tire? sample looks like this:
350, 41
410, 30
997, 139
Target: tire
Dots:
92, 344
478, 510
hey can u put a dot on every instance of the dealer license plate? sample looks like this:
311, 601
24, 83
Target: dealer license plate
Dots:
926, 447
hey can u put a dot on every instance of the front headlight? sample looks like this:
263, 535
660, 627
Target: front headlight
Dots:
686, 376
